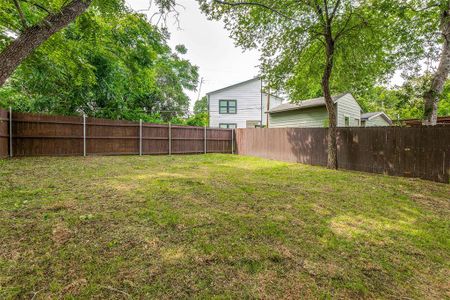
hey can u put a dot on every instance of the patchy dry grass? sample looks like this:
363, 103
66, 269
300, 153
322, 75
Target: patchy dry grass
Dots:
217, 226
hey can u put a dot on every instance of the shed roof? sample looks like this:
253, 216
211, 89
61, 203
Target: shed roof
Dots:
371, 115
315, 102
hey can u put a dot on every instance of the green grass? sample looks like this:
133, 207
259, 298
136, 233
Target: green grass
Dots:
217, 226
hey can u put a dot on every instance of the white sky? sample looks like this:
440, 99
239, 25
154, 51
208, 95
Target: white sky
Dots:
209, 47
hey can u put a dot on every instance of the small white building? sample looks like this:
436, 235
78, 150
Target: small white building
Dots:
242, 105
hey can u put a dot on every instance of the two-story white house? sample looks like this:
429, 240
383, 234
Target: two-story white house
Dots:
242, 105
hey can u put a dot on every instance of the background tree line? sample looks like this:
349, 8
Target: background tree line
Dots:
110, 62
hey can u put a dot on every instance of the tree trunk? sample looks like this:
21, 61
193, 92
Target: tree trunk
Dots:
32, 37
431, 97
332, 129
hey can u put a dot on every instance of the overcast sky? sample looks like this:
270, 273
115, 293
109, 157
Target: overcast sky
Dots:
209, 47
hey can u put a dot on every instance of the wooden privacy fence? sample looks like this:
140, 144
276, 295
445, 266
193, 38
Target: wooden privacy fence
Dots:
422, 152
35, 135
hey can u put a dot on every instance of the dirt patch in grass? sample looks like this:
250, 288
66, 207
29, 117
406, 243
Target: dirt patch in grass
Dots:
218, 226
61, 234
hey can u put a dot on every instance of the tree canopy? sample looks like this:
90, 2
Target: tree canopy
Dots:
368, 44
312, 48
404, 101
108, 63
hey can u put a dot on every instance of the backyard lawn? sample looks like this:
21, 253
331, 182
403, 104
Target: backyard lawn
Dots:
217, 226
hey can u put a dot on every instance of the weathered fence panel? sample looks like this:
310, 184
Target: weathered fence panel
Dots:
4, 133
35, 135
38, 135
422, 152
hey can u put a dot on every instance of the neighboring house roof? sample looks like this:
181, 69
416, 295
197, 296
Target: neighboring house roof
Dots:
371, 115
234, 85
316, 102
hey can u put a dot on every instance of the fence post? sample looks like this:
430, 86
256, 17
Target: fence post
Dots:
84, 135
10, 132
205, 141
170, 138
140, 137
232, 141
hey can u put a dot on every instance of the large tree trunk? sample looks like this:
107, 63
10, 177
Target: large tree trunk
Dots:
31, 38
431, 97
332, 129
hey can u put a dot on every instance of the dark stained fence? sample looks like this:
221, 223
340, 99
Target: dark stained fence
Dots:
38, 135
4, 129
422, 152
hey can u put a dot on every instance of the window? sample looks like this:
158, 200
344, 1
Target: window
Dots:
347, 121
228, 125
357, 122
227, 106
363, 123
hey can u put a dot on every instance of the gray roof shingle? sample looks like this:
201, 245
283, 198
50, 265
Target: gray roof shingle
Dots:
316, 102
368, 115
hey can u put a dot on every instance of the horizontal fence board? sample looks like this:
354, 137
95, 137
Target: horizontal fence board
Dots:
422, 152
46, 135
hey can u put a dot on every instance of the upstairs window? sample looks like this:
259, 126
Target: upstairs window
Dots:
227, 106
228, 125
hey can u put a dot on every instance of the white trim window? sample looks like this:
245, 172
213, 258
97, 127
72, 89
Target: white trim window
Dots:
346, 121
227, 106
228, 125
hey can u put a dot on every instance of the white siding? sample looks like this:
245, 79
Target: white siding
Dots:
248, 97
348, 107
311, 117
377, 121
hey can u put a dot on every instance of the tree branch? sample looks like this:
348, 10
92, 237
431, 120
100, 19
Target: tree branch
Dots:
21, 15
38, 6
32, 37
333, 13
325, 6
255, 4
437, 4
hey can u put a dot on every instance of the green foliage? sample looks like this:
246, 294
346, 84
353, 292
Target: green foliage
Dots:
406, 101
199, 119
367, 39
201, 105
35, 11
112, 65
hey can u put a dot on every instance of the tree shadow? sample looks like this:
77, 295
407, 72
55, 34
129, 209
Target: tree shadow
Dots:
308, 145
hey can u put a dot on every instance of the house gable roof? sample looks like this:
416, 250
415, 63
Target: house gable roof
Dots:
234, 85
315, 102
371, 115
